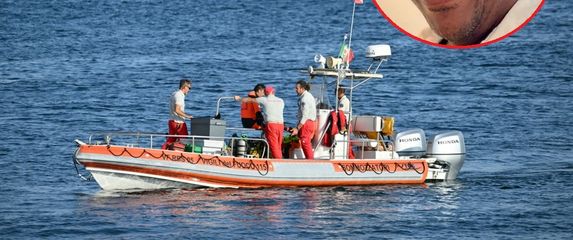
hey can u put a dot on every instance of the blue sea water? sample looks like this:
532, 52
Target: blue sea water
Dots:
71, 67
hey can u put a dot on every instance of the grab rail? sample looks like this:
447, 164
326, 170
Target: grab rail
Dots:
219, 104
108, 136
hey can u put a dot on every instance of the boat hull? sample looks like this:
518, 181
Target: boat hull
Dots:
120, 167
116, 180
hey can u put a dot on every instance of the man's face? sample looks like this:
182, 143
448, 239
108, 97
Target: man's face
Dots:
186, 89
260, 93
299, 90
461, 22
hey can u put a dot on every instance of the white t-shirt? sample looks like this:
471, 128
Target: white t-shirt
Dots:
272, 108
344, 104
306, 107
177, 98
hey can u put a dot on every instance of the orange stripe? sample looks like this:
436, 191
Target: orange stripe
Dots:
174, 156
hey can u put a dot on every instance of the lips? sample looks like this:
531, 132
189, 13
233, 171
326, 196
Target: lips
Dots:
438, 5
435, 3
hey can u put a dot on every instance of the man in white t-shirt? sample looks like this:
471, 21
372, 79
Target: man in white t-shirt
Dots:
343, 102
177, 115
306, 126
272, 109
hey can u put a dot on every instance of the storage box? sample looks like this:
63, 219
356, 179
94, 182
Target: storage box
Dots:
205, 143
214, 151
210, 146
376, 155
191, 148
207, 126
367, 124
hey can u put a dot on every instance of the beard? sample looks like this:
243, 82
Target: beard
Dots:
456, 25
468, 32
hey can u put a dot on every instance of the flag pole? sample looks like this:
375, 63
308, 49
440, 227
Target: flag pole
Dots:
351, 25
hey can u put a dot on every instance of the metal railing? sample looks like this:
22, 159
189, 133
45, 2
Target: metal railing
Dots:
363, 143
143, 139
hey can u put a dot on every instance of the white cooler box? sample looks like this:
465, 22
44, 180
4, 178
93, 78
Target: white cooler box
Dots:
211, 146
367, 124
376, 155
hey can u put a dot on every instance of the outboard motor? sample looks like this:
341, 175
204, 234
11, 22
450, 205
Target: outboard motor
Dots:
448, 148
411, 142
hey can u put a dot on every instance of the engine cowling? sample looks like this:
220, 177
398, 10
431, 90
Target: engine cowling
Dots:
448, 147
411, 142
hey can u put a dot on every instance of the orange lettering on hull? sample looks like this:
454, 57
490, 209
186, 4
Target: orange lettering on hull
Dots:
262, 166
349, 168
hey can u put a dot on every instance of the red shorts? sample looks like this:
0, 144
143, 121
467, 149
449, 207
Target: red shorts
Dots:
175, 128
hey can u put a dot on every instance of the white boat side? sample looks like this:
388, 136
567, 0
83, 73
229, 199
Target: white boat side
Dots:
121, 167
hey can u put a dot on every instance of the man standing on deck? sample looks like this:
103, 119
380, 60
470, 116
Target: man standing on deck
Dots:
344, 106
343, 102
306, 118
177, 115
272, 109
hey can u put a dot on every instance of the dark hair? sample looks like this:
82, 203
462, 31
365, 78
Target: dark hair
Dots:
341, 90
259, 87
184, 82
304, 85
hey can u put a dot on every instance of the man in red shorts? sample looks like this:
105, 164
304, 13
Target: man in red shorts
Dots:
272, 109
306, 118
177, 115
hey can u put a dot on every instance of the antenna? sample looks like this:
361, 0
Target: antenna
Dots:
351, 25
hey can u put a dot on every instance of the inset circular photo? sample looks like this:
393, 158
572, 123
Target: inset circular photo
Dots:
459, 23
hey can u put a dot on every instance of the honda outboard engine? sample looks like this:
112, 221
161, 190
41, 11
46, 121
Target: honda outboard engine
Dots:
449, 149
411, 142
